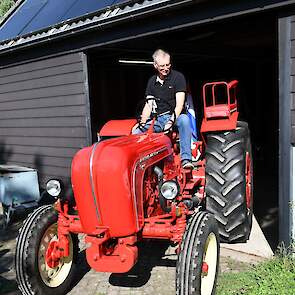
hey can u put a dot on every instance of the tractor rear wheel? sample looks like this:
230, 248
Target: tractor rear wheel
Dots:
229, 176
198, 260
33, 274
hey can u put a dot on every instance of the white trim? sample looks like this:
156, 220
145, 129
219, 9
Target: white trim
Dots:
92, 180
135, 62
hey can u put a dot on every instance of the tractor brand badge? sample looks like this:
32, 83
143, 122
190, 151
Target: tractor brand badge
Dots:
145, 158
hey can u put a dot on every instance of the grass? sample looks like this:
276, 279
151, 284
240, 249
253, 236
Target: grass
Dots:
5, 6
272, 277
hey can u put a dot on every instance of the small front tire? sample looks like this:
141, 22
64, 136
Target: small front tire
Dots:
34, 276
198, 260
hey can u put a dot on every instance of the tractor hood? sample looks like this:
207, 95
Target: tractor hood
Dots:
106, 179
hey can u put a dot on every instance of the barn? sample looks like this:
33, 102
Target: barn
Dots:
68, 67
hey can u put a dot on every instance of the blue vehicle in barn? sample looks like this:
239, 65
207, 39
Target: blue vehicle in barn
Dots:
19, 190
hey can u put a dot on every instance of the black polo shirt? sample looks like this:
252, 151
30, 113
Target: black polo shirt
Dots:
165, 93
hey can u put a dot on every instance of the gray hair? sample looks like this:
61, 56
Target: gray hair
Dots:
159, 52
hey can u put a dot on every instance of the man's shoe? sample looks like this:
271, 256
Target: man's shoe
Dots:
187, 164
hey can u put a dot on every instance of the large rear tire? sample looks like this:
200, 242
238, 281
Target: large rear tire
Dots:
198, 260
34, 276
229, 178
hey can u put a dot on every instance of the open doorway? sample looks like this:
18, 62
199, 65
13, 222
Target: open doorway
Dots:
221, 51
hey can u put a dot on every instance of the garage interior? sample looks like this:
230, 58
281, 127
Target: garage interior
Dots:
243, 48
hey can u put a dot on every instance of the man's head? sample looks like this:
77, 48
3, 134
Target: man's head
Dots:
162, 62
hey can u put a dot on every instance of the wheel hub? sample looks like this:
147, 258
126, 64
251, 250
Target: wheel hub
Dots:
53, 266
248, 173
52, 254
209, 264
205, 268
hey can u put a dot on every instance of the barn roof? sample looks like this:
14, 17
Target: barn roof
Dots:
33, 15
33, 20
38, 21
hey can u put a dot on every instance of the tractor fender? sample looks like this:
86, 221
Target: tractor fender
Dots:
117, 127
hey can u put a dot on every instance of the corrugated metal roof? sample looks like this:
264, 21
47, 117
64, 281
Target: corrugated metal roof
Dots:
97, 19
123, 11
33, 15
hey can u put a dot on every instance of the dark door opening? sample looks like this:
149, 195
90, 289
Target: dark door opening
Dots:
221, 51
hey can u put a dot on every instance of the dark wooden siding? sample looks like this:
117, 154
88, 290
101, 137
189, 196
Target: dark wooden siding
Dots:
43, 110
293, 80
286, 124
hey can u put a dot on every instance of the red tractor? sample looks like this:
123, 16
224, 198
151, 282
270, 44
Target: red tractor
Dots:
129, 188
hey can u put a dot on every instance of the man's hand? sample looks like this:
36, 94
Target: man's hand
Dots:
134, 128
168, 126
138, 125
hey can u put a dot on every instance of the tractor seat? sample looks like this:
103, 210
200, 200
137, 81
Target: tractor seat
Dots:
221, 110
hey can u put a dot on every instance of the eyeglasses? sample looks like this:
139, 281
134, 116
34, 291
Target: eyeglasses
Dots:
164, 66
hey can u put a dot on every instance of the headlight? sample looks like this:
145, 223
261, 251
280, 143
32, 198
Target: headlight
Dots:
169, 189
53, 187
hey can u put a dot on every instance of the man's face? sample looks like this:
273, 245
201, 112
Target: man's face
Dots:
163, 65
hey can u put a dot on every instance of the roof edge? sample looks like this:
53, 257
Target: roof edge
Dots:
13, 9
97, 18
116, 14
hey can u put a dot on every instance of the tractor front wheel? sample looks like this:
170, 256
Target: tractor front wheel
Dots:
35, 273
198, 260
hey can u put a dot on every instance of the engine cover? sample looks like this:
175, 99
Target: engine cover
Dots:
107, 180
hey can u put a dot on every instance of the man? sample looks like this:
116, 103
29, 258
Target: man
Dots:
167, 90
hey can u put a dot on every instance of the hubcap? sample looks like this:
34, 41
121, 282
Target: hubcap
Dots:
209, 265
51, 259
205, 268
53, 274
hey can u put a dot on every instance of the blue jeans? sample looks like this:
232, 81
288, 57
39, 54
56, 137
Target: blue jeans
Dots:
184, 129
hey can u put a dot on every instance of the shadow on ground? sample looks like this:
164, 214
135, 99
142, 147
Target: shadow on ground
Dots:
151, 254
8, 286
266, 208
83, 269
7, 250
8, 236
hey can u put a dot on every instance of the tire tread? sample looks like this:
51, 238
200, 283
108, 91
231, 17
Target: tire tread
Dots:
225, 182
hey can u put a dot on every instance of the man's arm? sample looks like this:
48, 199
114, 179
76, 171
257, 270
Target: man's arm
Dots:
148, 107
180, 98
180, 90
146, 112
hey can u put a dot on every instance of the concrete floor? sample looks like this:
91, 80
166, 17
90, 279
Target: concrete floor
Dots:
153, 274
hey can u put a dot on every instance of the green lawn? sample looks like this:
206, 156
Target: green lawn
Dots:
273, 277
5, 6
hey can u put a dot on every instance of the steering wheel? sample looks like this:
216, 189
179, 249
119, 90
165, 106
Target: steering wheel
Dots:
151, 101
